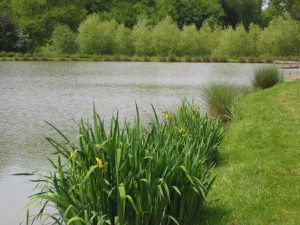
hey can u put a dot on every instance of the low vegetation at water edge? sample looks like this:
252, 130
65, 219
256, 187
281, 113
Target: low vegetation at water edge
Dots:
221, 99
258, 172
133, 174
267, 77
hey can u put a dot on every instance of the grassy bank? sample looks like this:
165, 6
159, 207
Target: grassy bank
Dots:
259, 171
13, 56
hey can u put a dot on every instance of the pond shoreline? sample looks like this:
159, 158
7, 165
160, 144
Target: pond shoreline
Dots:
12, 56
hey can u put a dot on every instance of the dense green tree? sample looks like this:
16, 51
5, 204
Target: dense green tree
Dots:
281, 38
235, 43
242, 11
187, 12
123, 41
142, 39
165, 37
287, 6
96, 36
8, 36
39, 17
189, 41
63, 40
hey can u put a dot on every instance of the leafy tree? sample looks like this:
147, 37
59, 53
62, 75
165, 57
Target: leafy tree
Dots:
189, 40
96, 36
123, 41
165, 37
24, 43
209, 39
281, 38
235, 43
142, 39
63, 40
39, 17
287, 6
8, 35
242, 11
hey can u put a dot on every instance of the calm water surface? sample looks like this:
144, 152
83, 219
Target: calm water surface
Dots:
57, 92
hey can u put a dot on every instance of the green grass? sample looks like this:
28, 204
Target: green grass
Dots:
39, 56
258, 181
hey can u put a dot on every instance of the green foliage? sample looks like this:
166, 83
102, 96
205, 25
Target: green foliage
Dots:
165, 37
159, 174
39, 17
8, 36
96, 36
123, 41
259, 161
63, 40
245, 11
266, 77
189, 41
142, 39
221, 99
281, 38
235, 43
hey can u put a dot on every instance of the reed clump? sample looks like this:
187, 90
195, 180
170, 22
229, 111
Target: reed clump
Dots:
133, 174
221, 99
266, 77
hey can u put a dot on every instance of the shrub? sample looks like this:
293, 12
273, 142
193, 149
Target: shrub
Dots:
96, 36
63, 40
208, 40
235, 43
165, 37
189, 40
159, 174
142, 39
266, 77
123, 41
281, 38
221, 99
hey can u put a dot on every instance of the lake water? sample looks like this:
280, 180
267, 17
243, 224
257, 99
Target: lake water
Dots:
58, 92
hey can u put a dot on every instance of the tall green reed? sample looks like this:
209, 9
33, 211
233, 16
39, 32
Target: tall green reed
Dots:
221, 99
130, 173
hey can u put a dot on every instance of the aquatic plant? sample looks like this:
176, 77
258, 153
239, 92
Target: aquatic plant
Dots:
221, 99
266, 77
131, 174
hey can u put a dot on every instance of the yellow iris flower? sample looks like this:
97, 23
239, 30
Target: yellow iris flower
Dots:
182, 130
168, 116
99, 162
72, 155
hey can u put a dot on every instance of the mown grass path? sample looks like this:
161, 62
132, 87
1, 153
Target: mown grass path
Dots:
258, 177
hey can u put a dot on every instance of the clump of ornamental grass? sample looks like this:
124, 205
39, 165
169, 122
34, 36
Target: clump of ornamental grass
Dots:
132, 174
266, 77
221, 99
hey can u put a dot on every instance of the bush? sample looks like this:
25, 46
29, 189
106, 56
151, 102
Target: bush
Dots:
96, 36
159, 174
266, 77
142, 39
63, 40
281, 38
123, 41
235, 43
221, 99
165, 37
189, 40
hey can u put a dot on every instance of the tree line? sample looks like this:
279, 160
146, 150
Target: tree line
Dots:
27, 25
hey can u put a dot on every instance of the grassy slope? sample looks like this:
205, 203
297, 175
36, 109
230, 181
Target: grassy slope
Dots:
258, 178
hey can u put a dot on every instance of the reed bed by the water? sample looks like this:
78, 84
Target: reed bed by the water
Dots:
133, 174
221, 99
266, 77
